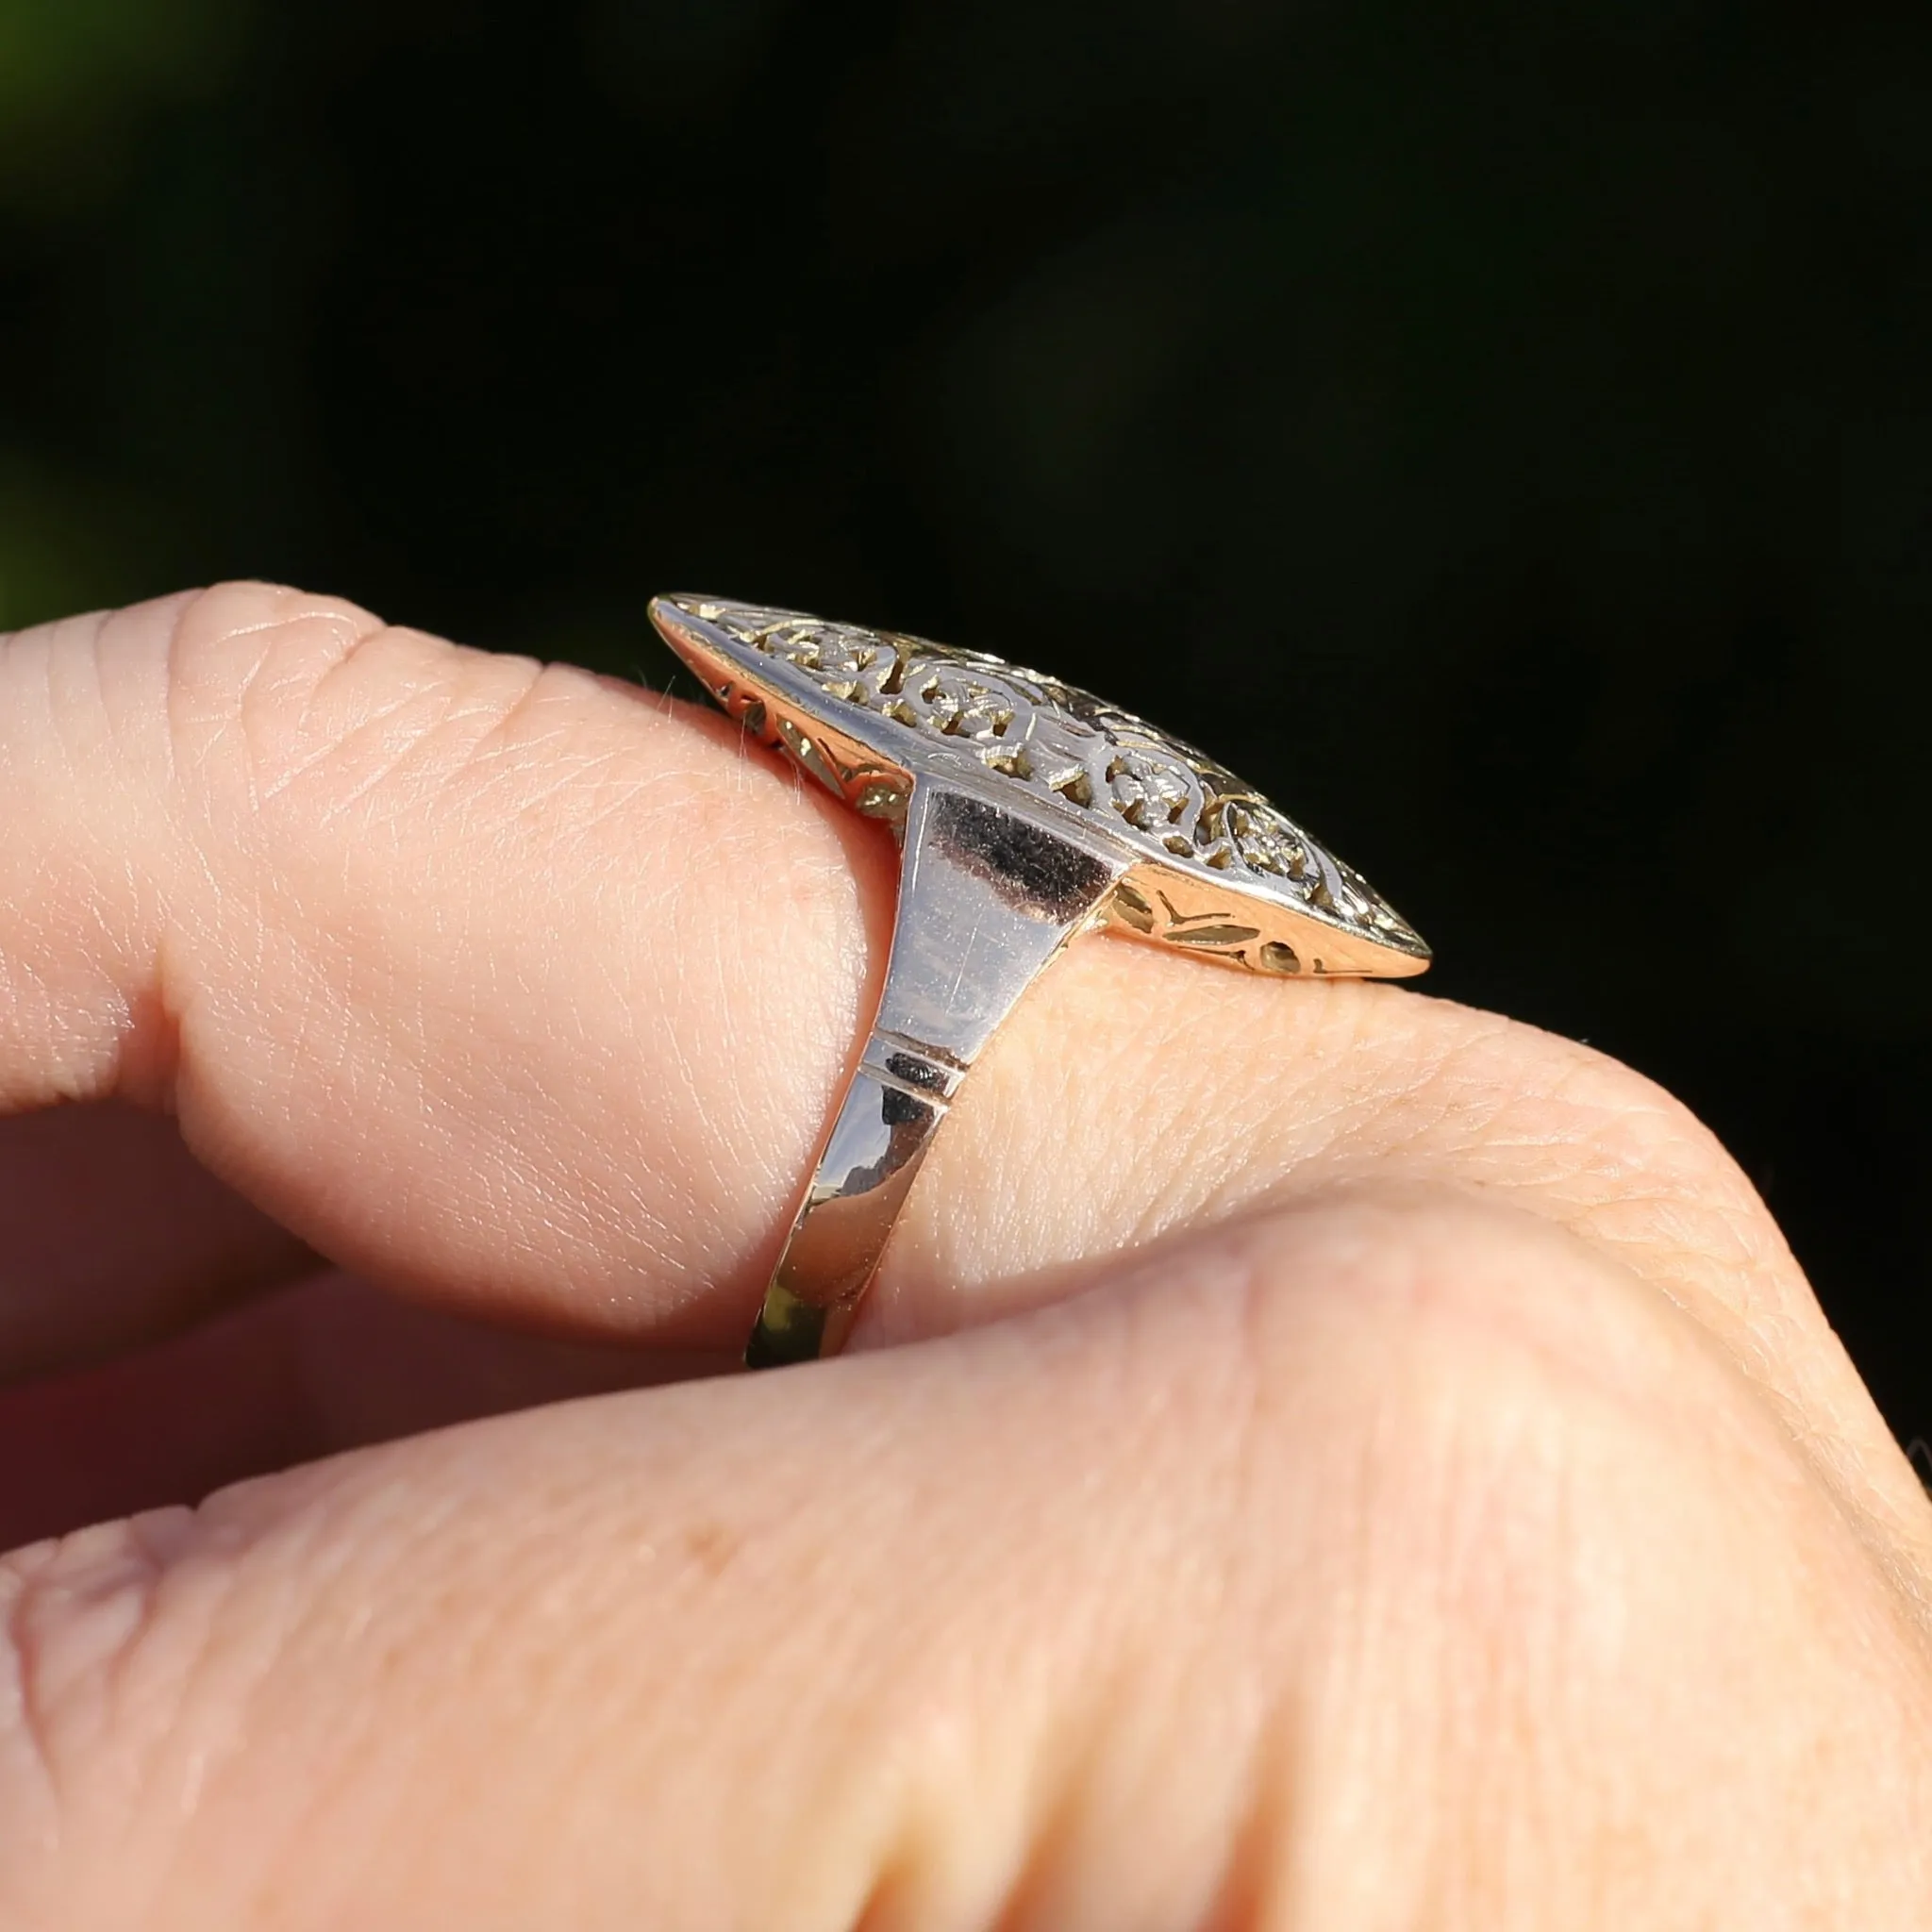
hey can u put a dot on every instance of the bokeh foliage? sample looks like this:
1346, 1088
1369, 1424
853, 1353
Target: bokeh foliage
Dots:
1500, 429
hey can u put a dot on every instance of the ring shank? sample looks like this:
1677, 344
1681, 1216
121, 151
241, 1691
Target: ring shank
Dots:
877, 1140
987, 899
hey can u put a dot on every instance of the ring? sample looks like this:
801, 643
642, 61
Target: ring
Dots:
1027, 812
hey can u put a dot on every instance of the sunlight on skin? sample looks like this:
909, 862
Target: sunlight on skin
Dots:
1407, 1480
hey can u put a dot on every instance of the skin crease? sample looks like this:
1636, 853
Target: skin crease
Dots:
1392, 1474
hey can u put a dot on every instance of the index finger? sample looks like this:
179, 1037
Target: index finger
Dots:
518, 990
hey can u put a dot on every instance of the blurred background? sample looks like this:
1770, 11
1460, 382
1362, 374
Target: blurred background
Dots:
1504, 432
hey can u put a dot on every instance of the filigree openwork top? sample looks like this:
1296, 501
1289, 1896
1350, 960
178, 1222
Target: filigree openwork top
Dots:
1028, 813
1062, 744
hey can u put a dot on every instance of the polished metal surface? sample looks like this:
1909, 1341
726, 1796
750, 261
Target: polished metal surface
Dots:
1027, 811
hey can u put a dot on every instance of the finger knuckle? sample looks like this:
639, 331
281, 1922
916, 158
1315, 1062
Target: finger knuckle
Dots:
305, 722
1612, 1154
267, 688
1543, 1520
1476, 1383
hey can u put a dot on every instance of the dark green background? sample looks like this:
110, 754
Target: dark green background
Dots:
1513, 417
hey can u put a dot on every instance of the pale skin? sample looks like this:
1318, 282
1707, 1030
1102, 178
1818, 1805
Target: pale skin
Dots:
1317, 1455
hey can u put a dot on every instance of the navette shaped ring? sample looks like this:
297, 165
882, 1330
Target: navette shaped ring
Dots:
1028, 811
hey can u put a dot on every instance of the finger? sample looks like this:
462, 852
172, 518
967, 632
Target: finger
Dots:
1132, 1097
503, 986
110, 1229
436, 955
1352, 1561
325, 1365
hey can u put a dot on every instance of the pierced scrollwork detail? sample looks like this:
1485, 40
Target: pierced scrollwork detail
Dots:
1171, 800
1221, 932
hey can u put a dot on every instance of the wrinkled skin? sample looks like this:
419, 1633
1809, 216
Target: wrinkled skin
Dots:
1317, 1456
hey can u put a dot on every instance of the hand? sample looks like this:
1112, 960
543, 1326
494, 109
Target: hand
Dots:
1408, 1482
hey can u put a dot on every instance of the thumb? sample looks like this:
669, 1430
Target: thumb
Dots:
1395, 1561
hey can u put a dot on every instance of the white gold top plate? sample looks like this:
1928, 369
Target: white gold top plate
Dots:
1217, 870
